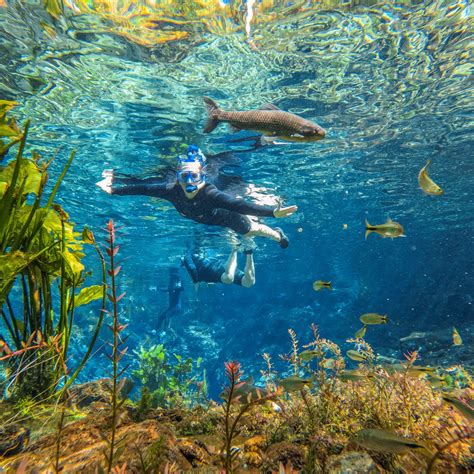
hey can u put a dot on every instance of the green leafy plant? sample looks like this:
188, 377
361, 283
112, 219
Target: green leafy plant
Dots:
172, 382
41, 263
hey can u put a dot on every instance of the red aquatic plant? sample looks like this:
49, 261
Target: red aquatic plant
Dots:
118, 351
411, 357
246, 395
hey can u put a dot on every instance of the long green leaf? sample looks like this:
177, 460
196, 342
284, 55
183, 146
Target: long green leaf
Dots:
7, 201
4, 148
58, 182
97, 327
86, 295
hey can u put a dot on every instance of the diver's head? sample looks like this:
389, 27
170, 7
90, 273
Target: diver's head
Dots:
190, 173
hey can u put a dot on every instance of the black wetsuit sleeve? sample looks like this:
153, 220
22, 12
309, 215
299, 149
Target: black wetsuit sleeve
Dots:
225, 201
143, 187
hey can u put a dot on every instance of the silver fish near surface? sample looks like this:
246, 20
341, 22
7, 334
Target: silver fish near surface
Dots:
268, 120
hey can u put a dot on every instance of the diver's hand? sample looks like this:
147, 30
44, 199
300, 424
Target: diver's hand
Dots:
284, 211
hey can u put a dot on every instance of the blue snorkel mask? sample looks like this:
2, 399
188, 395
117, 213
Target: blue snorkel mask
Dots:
190, 169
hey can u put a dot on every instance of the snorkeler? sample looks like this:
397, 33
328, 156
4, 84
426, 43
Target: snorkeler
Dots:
202, 269
175, 292
202, 202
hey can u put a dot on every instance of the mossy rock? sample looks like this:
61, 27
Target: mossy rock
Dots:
193, 452
351, 462
13, 439
199, 422
285, 454
85, 394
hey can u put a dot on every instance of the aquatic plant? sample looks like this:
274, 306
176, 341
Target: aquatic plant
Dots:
40, 263
117, 398
56, 465
172, 382
246, 396
398, 399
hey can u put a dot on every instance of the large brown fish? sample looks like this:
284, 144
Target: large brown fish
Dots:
269, 120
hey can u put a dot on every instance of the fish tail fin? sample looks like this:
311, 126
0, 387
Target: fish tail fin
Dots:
428, 163
212, 111
368, 228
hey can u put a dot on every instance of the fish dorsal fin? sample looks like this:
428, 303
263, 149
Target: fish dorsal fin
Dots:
268, 107
389, 220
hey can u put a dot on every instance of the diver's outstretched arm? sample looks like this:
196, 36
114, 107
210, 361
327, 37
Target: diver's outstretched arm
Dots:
134, 186
231, 266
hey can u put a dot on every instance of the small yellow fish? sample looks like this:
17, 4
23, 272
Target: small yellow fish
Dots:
389, 229
437, 381
353, 375
308, 355
457, 341
344, 226
328, 363
426, 183
460, 406
374, 318
418, 370
385, 441
294, 383
361, 332
319, 285
412, 370
357, 356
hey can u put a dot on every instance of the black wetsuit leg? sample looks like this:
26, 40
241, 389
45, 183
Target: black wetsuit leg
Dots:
208, 270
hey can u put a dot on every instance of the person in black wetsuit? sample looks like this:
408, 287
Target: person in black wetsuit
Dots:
202, 202
175, 292
203, 269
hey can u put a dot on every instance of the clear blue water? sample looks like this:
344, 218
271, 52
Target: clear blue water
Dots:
390, 82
